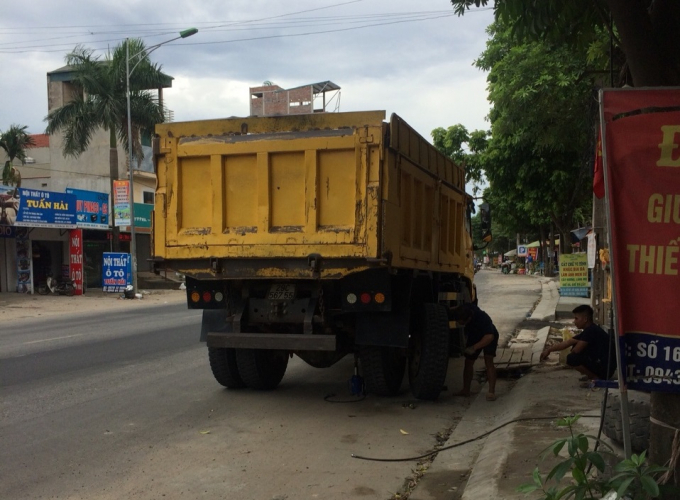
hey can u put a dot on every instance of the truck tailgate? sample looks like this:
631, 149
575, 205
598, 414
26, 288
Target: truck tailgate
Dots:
269, 187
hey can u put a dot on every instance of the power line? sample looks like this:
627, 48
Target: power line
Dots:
184, 24
256, 25
389, 19
309, 33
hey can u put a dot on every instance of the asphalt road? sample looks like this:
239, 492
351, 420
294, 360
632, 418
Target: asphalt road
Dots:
121, 404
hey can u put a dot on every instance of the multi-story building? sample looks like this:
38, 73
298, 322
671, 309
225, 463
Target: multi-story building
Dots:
272, 100
48, 169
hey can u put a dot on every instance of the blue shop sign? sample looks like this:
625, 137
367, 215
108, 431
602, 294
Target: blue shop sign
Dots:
116, 272
92, 208
46, 209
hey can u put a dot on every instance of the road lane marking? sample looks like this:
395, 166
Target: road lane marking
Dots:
50, 340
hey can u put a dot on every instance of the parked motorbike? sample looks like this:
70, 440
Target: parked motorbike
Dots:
57, 287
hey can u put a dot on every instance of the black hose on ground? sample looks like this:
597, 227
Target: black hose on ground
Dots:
456, 445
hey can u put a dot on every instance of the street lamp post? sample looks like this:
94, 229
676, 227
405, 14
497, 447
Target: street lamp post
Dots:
128, 72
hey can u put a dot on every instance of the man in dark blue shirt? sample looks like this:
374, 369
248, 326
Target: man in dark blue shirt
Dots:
591, 352
480, 335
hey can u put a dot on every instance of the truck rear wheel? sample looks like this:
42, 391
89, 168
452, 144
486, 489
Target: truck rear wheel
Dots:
224, 368
428, 361
261, 369
383, 369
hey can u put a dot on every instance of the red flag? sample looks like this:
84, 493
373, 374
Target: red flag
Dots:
598, 174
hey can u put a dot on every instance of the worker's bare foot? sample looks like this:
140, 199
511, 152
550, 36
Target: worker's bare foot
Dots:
490, 396
463, 393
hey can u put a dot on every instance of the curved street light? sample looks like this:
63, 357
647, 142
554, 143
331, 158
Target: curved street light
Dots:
133, 243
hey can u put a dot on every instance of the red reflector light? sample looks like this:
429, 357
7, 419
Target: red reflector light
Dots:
365, 298
207, 297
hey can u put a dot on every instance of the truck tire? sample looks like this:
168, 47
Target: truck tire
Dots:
224, 368
383, 369
429, 357
638, 407
261, 369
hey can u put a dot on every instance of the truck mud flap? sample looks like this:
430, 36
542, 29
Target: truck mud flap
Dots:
214, 320
276, 341
387, 329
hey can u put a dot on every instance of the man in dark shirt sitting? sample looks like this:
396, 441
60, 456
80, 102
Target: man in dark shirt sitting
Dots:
590, 349
480, 335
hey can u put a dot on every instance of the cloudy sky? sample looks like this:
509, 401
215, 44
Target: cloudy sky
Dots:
411, 57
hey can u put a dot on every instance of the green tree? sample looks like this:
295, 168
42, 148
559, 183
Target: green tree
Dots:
14, 141
646, 31
101, 101
539, 158
463, 147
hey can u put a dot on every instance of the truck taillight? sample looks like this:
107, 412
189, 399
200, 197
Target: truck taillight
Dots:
365, 298
351, 298
207, 296
195, 297
379, 298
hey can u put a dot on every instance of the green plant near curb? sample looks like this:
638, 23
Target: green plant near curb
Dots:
633, 479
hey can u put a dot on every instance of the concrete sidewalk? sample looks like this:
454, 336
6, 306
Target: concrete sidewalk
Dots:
20, 306
496, 464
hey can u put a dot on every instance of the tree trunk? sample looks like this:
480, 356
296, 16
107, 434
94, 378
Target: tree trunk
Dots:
650, 42
544, 254
551, 252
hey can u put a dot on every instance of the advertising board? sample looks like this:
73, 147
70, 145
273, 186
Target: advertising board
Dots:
641, 131
92, 208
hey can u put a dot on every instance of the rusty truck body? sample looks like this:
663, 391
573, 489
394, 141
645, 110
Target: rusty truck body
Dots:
317, 235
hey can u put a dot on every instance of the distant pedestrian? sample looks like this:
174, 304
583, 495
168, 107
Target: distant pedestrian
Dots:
591, 350
480, 336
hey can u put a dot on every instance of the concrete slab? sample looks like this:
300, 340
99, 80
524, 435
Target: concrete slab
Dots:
524, 337
545, 310
541, 338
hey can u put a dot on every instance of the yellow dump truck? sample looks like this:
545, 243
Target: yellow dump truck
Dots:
318, 235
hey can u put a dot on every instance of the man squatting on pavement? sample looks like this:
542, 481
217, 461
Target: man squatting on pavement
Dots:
590, 349
480, 335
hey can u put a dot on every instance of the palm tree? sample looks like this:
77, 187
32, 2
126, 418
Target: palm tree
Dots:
101, 102
14, 141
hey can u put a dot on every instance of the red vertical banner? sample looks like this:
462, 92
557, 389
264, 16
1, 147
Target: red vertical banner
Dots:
642, 172
76, 259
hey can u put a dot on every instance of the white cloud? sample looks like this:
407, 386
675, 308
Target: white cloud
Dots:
421, 70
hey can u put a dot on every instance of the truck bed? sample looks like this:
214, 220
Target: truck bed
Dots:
348, 187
